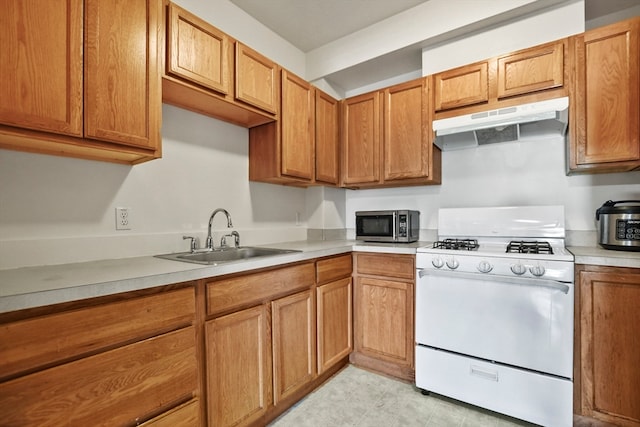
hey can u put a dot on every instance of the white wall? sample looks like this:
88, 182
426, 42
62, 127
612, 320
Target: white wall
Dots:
57, 210
507, 174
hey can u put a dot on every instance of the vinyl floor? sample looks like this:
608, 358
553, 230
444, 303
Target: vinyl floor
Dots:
355, 397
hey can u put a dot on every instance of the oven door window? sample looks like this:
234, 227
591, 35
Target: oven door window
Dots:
374, 226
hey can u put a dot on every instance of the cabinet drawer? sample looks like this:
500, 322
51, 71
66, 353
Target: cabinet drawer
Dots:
111, 388
228, 294
328, 270
185, 415
31, 343
390, 265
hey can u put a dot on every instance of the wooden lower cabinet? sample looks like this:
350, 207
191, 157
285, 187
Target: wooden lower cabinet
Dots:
294, 348
384, 319
607, 374
335, 322
107, 363
238, 367
334, 296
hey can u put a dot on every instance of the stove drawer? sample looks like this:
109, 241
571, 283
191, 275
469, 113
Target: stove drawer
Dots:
527, 395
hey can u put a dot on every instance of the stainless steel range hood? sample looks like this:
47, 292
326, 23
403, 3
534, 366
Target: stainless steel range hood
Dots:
538, 120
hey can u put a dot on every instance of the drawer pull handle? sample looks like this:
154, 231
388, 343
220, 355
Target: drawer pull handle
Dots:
482, 373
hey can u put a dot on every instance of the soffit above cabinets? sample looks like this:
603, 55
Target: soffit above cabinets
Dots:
312, 24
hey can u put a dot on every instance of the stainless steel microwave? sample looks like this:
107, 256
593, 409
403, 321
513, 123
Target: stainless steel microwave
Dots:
388, 226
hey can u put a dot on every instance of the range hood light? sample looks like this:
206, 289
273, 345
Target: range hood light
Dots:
537, 120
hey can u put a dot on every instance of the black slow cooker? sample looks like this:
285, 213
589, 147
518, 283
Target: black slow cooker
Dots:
619, 226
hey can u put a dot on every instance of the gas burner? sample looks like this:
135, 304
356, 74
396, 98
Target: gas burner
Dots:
457, 244
531, 247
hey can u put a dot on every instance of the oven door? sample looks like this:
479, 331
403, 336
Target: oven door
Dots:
523, 322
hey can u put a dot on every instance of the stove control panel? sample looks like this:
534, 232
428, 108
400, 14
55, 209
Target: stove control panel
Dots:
501, 266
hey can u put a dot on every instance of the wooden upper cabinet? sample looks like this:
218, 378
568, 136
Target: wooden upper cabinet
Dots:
297, 127
523, 76
605, 108
538, 68
467, 85
39, 36
327, 139
257, 81
408, 141
123, 99
82, 79
387, 138
197, 51
361, 139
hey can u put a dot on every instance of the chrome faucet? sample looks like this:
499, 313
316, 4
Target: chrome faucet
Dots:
209, 243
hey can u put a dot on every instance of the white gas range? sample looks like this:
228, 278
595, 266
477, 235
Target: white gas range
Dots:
494, 312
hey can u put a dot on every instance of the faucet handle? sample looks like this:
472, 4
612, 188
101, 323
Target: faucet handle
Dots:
193, 244
236, 239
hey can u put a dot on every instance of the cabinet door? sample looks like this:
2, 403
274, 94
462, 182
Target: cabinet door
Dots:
294, 350
122, 74
335, 321
238, 367
297, 121
610, 344
361, 139
531, 70
197, 51
406, 137
256, 79
384, 319
606, 134
327, 138
462, 86
41, 65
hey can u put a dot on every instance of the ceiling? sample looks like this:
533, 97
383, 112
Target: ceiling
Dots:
309, 24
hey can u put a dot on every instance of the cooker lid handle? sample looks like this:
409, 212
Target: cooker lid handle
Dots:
611, 203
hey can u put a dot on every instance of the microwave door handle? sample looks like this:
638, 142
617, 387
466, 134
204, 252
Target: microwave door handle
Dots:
395, 226
526, 281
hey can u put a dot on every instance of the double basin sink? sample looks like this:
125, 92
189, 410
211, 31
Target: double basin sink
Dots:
223, 255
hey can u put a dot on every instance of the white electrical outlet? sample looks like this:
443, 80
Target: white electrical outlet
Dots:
123, 218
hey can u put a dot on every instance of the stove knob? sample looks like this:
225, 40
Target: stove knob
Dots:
518, 269
437, 262
537, 270
485, 267
453, 263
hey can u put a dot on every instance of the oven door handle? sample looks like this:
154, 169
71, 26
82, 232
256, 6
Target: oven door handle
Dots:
525, 281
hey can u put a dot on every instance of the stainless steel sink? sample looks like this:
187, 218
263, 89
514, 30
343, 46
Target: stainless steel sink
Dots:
219, 256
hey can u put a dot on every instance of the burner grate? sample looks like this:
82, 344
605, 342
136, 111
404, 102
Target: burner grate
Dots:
529, 247
457, 244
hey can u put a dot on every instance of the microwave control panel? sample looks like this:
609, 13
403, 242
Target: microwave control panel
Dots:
402, 225
628, 229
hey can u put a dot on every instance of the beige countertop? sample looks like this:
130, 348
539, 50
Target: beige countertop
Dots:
595, 255
29, 287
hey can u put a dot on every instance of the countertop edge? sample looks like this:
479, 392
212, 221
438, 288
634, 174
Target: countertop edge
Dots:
30, 287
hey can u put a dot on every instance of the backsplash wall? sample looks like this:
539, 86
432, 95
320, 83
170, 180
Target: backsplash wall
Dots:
57, 210
507, 174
